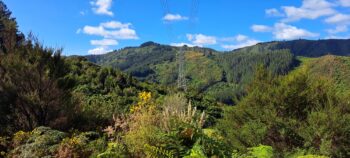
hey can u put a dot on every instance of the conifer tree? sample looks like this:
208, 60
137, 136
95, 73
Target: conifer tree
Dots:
10, 37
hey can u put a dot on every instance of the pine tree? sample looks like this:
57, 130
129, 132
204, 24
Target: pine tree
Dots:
10, 37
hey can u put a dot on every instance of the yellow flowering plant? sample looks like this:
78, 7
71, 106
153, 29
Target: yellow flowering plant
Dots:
145, 100
20, 136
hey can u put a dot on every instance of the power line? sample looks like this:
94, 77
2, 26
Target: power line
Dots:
165, 6
166, 10
181, 80
193, 13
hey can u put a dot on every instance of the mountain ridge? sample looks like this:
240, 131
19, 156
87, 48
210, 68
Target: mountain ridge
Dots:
270, 45
206, 69
308, 48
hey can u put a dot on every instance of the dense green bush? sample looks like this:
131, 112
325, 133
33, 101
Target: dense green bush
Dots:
40, 142
295, 111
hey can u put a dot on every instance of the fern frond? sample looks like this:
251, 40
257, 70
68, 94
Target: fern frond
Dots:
157, 152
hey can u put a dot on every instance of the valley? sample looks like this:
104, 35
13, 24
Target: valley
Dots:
287, 98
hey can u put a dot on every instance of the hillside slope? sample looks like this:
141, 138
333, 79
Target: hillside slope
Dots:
307, 48
148, 61
334, 68
207, 71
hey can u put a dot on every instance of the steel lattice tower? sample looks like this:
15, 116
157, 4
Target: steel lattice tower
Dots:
181, 80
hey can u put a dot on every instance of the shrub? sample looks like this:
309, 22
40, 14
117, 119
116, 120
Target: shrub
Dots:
42, 141
20, 137
4, 146
82, 145
114, 150
290, 112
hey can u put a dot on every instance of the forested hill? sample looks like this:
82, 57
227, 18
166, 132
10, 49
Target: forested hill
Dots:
217, 75
130, 58
307, 48
220, 75
139, 58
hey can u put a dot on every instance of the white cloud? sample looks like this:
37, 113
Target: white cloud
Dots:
344, 3
104, 42
338, 19
174, 17
182, 44
238, 41
273, 12
341, 21
283, 31
112, 30
242, 44
237, 38
310, 9
338, 29
261, 28
337, 37
229, 43
329, 10
99, 50
190, 37
241, 38
115, 25
102, 7
124, 33
200, 39
288, 32
92, 30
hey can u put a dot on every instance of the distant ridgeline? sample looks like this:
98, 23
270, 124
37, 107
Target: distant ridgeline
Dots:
217, 75
306, 48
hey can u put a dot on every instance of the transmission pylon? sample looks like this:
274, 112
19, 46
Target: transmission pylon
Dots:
181, 79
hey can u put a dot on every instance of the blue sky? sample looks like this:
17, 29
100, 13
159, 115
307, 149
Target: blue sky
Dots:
84, 27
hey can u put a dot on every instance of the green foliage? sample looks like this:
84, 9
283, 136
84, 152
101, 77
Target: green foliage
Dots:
205, 68
312, 156
196, 152
335, 68
114, 150
81, 145
240, 66
261, 151
10, 37
227, 93
212, 144
306, 48
157, 63
289, 112
152, 151
42, 100
221, 76
102, 92
45, 142
40, 142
